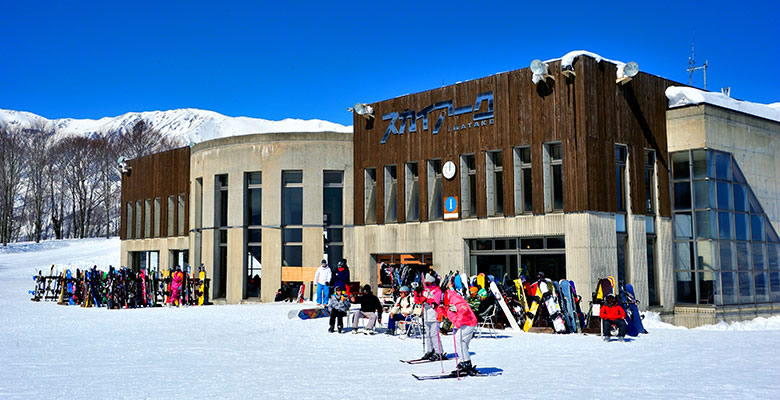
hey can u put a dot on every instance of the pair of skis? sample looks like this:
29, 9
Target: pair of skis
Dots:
454, 374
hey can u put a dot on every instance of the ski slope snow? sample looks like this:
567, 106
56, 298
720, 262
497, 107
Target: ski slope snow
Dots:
240, 351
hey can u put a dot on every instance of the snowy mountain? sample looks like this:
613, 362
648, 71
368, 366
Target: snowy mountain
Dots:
189, 124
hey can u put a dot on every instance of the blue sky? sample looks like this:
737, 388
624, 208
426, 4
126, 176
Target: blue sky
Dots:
307, 60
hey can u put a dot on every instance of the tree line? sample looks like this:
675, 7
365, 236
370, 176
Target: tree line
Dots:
56, 186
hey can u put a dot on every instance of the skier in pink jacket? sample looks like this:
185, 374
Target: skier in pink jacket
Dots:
176, 281
457, 310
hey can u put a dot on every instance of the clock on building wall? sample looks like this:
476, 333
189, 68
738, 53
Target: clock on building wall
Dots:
448, 170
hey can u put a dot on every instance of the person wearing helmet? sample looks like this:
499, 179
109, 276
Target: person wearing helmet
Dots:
613, 317
486, 302
430, 298
338, 306
401, 311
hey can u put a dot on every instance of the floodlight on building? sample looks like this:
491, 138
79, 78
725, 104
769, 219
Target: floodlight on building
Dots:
626, 72
539, 71
122, 163
568, 71
363, 110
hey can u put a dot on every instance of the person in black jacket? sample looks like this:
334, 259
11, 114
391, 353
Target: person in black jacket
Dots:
370, 307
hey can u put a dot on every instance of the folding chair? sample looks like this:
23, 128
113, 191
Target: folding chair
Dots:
487, 322
411, 328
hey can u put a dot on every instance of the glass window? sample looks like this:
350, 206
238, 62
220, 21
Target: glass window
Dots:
254, 178
129, 220
684, 255
745, 287
680, 165
682, 196
706, 256
495, 182
621, 153
705, 224
772, 254
413, 193
332, 178
722, 165
649, 224
333, 208
724, 225
333, 205
774, 285
622, 255
726, 255
704, 194
740, 197
683, 225
620, 223
755, 206
650, 181
138, 212
724, 196
435, 200
756, 228
553, 177
157, 217
700, 164
292, 218
762, 287
391, 193
741, 226
556, 243
255, 210
370, 195
172, 215
758, 256
533, 243
728, 282
707, 283
468, 186
686, 288
743, 256
181, 214
523, 191
651, 279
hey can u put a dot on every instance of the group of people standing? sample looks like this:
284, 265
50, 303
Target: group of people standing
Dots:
325, 276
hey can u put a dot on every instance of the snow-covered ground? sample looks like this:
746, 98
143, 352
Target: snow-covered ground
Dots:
255, 351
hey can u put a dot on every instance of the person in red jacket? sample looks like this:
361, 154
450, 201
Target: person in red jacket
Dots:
613, 317
457, 310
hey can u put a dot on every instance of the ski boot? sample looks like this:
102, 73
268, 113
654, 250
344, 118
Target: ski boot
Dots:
437, 356
605, 338
465, 368
341, 328
330, 330
427, 356
621, 339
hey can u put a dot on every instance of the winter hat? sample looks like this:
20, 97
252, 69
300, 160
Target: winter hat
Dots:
430, 279
339, 288
404, 289
366, 288
324, 262
474, 290
482, 293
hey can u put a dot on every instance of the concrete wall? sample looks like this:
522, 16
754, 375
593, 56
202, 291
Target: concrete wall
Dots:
271, 154
753, 141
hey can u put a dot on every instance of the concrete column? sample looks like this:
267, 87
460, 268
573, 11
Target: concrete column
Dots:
235, 266
272, 267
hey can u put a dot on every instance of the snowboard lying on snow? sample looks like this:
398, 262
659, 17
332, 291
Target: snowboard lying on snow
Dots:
309, 313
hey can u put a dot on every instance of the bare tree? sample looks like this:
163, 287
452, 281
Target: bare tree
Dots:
143, 140
82, 176
11, 166
36, 152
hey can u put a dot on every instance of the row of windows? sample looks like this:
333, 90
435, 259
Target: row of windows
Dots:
147, 217
494, 174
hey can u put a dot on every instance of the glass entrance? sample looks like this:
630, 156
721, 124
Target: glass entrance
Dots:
553, 266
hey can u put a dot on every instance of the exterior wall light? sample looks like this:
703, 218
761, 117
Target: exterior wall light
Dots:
626, 72
122, 164
363, 110
568, 71
539, 71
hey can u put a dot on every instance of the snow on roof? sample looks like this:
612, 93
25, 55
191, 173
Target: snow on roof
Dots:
682, 96
568, 59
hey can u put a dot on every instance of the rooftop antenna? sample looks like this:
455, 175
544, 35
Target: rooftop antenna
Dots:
692, 67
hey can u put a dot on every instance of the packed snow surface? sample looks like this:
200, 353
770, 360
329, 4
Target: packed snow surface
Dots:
682, 96
243, 351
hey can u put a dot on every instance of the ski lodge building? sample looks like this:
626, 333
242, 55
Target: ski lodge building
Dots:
578, 171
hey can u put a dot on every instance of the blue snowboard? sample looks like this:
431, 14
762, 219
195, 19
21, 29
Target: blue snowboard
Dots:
571, 312
635, 326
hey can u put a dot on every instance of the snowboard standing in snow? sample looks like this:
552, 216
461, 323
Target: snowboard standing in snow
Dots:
568, 300
634, 319
553, 308
504, 307
533, 308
